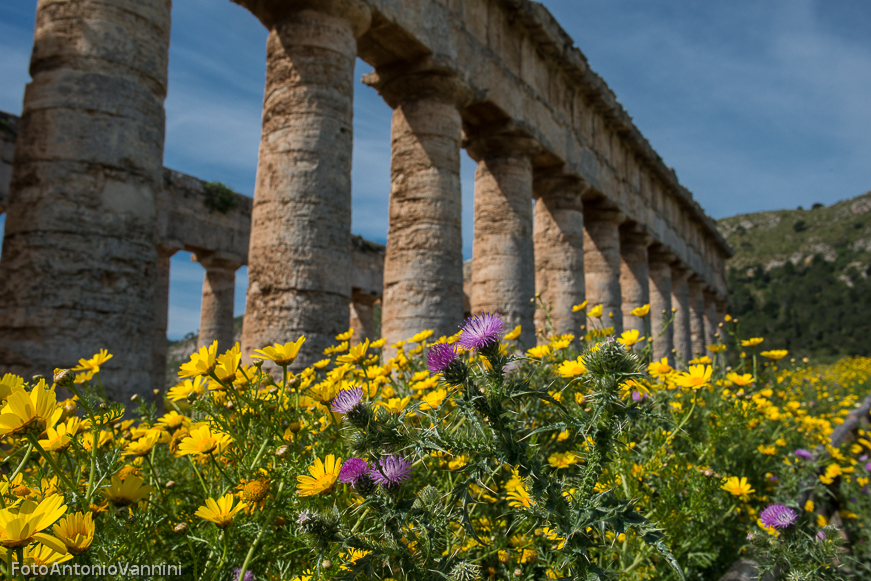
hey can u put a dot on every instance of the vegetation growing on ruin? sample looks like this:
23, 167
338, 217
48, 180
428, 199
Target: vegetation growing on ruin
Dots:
465, 457
219, 197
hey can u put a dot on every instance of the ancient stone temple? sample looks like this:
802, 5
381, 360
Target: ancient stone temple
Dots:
571, 201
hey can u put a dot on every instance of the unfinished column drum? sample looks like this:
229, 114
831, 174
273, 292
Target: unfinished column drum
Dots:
423, 266
558, 235
697, 316
503, 258
680, 299
602, 265
299, 262
661, 325
79, 252
634, 278
219, 293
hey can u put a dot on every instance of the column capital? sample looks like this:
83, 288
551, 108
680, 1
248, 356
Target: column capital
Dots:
218, 260
680, 272
659, 253
272, 12
602, 211
430, 78
554, 183
504, 139
632, 233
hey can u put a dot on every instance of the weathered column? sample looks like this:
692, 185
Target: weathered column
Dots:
602, 263
503, 258
659, 265
299, 254
697, 315
219, 294
423, 266
711, 320
362, 316
558, 236
161, 311
680, 301
79, 252
634, 276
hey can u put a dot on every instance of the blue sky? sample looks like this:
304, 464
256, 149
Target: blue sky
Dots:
757, 105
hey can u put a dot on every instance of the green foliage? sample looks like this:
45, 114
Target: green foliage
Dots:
809, 310
219, 197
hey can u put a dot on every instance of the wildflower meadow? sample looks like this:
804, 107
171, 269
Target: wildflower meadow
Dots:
456, 458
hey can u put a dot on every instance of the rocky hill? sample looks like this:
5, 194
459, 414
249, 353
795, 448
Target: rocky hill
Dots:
800, 278
772, 239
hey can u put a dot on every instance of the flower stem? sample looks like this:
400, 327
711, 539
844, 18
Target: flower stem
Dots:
21, 465
60, 473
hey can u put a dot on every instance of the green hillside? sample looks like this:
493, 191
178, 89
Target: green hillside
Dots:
800, 278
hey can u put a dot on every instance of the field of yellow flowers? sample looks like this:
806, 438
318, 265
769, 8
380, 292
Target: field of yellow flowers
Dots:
464, 457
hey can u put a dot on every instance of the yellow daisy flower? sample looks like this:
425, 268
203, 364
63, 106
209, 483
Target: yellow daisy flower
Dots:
202, 362
76, 531
571, 368
641, 311
36, 410
698, 376
222, 511
21, 525
738, 487
202, 441
127, 491
323, 476
776, 354
282, 354
94, 363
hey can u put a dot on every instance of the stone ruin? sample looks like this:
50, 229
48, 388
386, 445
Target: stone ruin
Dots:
571, 201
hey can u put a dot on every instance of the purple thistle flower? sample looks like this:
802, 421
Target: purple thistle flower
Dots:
393, 470
777, 516
352, 470
304, 517
249, 576
346, 400
440, 356
802, 453
481, 331
868, 466
821, 536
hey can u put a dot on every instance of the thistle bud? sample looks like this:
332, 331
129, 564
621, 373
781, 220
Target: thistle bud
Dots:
181, 528
134, 397
327, 564
38, 378
192, 397
281, 451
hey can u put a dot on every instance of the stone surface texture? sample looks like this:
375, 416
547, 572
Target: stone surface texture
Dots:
680, 303
503, 262
602, 265
697, 317
299, 265
558, 236
661, 327
8, 132
79, 252
423, 266
219, 291
634, 278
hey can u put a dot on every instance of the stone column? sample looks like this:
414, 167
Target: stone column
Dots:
711, 320
219, 293
299, 253
634, 276
362, 316
697, 315
602, 263
79, 252
161, 311
558, 235
680, 300
503, 257
423, 265
659, 265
